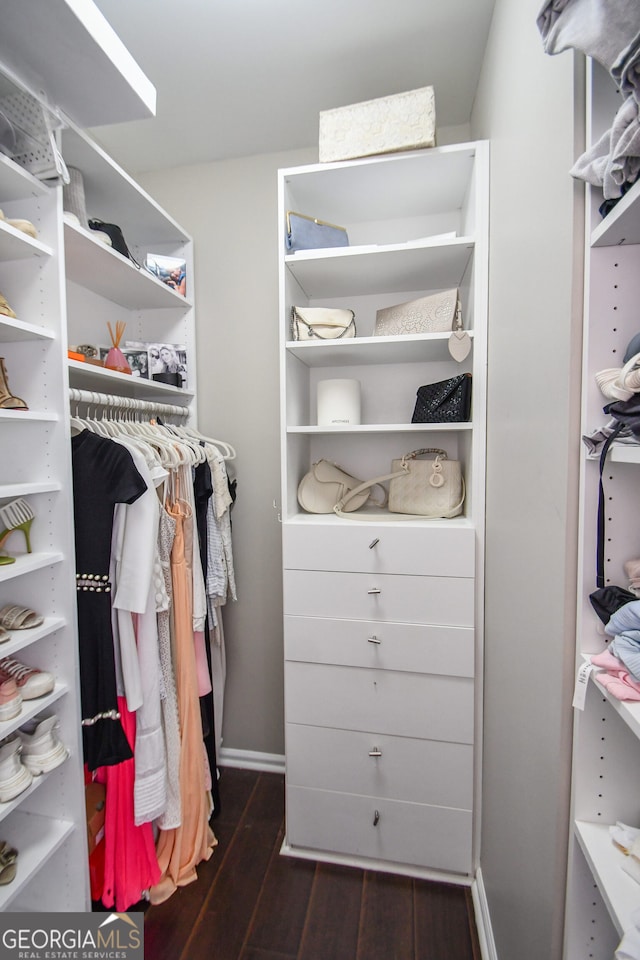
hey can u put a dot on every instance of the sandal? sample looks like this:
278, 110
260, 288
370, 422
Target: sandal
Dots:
8, 863
15, 617
4, 635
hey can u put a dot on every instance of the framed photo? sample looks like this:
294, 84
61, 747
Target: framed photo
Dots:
164, 360
138, 360
170, 270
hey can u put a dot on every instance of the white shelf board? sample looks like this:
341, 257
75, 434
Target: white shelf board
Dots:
92, 264
86, 376
619, 891
68, 48
17, 245
627, 710
13, 330
432, 181
20, 639
368, 350
110, 189
16, 183
384, 428
31, 708
376, 515
39, 415
7, 808
36, 838
394, 268
625, 452
27, 563
10, 490
622, 224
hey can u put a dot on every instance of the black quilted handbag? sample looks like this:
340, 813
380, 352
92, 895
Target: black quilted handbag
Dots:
447, 401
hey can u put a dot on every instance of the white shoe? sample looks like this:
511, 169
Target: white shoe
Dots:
42, 751
14, 776
30, 681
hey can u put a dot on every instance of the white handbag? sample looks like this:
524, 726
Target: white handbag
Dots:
326, 484
437, 313
322, 323
418, 489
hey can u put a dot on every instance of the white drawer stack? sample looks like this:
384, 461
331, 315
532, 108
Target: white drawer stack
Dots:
379, 691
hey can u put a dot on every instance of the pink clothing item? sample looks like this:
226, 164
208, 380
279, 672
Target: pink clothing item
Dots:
130, 862
617, 680
202, 665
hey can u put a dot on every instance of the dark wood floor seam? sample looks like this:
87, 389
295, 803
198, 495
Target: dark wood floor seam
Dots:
250, 926
308, 913
361, 920
184, 955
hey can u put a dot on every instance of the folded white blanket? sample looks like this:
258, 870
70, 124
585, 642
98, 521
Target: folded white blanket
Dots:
602, 29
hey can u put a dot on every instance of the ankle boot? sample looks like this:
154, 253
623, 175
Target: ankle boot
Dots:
7, 399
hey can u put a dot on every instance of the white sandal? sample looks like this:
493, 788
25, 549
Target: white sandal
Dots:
15, 617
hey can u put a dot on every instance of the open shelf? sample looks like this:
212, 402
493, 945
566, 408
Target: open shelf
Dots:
27, 563
385, 428
87, 376
13, 330
36, 838
372, 350
620, 892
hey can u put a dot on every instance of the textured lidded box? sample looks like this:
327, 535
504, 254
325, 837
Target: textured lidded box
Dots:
404, 121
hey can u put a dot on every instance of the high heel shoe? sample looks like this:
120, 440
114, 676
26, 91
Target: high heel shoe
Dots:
7, 399
17, 515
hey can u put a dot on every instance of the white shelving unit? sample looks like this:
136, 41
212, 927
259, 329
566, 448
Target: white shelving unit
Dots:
64, 287
606, 756
383, 636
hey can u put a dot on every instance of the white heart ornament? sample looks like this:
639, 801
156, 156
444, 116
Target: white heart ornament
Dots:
459, 345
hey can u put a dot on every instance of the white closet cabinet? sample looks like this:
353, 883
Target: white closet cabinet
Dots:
606, 755
383, 636
64, 286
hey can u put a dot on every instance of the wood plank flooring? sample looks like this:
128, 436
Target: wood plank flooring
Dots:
251, 903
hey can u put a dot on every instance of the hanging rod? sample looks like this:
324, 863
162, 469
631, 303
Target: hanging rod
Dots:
127, 403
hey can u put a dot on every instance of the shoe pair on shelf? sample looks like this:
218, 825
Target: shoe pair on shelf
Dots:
16, 515
31, 751
19, 682
7, 399
8, 863
23, 225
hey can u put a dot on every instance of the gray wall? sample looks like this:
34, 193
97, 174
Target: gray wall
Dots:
525, 106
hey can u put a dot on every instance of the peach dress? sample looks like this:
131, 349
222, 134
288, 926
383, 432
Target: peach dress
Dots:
181, 849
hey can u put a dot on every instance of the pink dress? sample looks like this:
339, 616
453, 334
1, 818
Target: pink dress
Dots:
180, 850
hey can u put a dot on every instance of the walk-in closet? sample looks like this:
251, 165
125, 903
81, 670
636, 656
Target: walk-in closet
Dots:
310, 320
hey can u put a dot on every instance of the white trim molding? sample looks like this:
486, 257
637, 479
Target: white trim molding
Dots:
251, 760
483, 920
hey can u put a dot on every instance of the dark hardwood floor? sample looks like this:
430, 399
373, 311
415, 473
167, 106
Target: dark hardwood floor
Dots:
252, 903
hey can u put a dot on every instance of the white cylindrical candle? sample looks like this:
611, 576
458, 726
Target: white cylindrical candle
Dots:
338, 402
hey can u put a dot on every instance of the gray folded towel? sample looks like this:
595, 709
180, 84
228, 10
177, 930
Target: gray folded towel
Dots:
602, 29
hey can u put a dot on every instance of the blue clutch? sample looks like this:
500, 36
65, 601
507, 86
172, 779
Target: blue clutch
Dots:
305, 233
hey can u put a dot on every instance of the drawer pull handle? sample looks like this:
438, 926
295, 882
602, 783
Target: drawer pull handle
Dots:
376, 818
374, 590
376, 752
373, 543
373, 640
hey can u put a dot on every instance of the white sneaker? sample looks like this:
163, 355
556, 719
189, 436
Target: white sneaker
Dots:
42, 751
14, 776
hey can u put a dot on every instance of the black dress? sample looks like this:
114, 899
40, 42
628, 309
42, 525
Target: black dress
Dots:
103, 474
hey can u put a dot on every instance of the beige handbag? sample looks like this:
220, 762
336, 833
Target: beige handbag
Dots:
326, 484
322, 323
437, 313
418, 489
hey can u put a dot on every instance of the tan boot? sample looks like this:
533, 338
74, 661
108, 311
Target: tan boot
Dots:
7, 399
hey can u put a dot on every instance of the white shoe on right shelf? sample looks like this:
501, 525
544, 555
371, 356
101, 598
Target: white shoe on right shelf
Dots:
14, 776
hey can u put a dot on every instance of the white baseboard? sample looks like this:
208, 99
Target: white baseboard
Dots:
251, 760
483, 920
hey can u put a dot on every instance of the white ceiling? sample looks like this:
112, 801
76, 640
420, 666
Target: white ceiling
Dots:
242, 77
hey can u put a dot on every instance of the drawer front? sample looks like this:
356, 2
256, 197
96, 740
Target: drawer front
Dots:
384, 646
431, 837
365, 596
402, 704
379, 765
437, 550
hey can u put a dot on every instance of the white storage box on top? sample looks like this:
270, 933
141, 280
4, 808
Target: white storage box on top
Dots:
404, 121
